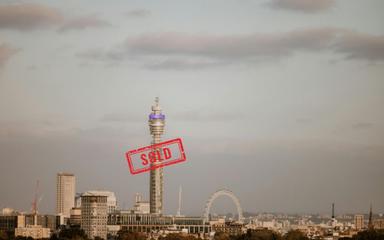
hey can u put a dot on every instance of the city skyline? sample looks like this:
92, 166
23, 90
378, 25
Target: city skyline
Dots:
279, 101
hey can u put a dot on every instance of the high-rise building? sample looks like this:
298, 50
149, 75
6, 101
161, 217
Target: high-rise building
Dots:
359, 222
94, 215
65, 193
156, 127
111, 199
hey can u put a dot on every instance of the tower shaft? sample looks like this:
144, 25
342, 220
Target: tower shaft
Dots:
156, 127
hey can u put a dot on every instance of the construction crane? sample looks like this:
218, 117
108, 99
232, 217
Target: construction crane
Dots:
35, 203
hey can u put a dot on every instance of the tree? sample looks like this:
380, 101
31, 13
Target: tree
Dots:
295, 235
178, 236
3, 235
72, 232
221, 236
369, 235
127, 235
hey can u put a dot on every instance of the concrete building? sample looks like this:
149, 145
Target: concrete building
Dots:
359, 222
149, 223
75, 219
111, 199
65, 194
46, 221
140, 206
94, 215
10, 219
378, 223
34, 231
156, 126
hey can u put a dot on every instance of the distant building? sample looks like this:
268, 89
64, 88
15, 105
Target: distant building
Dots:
359, 222
65, 193
75, 218
231, 228
9, 220
94, 215
111, 199
140, 207
147, 223
46, 221
34, 231
78, 200
378, 223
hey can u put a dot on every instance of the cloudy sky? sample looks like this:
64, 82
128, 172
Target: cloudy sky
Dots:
280, 101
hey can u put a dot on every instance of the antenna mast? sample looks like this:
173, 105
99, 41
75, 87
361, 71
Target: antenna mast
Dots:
179, 209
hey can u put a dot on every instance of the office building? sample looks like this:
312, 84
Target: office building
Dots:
359, 222
65, 194
111, 199
94, 215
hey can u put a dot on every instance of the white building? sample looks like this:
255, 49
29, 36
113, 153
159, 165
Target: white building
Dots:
65, 194
141, 207
35, 231
94, 215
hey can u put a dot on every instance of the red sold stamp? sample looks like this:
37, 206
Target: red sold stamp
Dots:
155, 156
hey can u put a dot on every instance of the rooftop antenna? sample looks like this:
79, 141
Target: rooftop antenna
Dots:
157, 101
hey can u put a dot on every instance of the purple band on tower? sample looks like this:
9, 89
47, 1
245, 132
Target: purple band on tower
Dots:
153, 116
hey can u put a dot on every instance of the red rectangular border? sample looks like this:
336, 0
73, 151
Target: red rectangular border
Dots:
158, 145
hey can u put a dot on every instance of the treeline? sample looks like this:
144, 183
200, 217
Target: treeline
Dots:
262, 235
78, 234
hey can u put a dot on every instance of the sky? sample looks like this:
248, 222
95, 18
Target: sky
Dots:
280, 101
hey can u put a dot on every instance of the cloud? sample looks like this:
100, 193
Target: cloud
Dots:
183, 64
180, 51
355, 45
6, 52
30, 16
362, 125
82, 23
206, 115
137, 13
119, 117
27, 16
307, 6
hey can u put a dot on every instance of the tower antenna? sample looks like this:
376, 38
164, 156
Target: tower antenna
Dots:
179, 209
